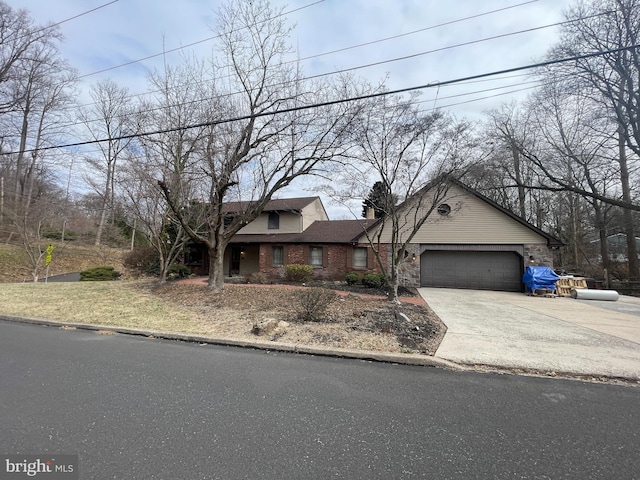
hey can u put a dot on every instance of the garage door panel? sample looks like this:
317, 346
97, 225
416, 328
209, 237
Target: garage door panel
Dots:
477, 270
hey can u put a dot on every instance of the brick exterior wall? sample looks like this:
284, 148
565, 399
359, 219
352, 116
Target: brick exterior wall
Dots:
335, 265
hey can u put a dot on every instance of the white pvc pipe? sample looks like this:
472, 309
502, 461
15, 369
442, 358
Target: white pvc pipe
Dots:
586, 294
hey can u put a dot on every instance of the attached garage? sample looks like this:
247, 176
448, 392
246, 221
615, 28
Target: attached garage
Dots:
495, 270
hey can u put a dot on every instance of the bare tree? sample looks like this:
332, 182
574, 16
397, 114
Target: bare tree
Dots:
145, 203
254, 157
108, 119
612, 79
403, 149
18, 35
507, 129
576, 145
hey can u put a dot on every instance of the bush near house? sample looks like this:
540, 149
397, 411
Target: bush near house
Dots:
373, 280
298, 273
143, 261
352, 278
99, 274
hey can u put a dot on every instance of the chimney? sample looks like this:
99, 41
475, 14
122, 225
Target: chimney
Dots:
371, 213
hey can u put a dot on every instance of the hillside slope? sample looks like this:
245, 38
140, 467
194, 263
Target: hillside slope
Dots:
15, 265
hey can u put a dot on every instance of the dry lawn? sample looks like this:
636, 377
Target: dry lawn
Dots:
350, 322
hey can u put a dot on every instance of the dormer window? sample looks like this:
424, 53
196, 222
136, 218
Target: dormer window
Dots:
274, 221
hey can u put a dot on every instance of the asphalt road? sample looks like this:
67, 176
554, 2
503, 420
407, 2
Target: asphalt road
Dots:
137, 408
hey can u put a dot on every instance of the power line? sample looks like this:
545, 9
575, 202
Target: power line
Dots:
189, 44
51, 25
326, 53
432, 27
310, 57
339, 101
350, 69
82, 14
533, 83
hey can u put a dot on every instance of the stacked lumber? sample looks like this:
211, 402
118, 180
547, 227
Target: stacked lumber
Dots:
564, 285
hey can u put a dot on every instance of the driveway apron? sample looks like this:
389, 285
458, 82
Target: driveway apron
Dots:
563, 335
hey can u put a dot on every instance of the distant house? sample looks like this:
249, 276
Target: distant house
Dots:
469, 242
617, 246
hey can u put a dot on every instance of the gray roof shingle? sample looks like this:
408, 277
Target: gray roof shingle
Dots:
325, 231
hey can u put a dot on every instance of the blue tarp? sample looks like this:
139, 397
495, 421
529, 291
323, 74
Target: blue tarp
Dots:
536, 278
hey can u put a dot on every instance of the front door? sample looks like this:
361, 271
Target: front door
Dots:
234, 268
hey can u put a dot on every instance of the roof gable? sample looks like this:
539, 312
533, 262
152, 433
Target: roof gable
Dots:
487, 223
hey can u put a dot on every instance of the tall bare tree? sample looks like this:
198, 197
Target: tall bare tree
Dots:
402, 150
18, 35
109, 118
252, 158
613, 80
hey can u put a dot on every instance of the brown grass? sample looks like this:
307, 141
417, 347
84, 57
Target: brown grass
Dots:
351, 321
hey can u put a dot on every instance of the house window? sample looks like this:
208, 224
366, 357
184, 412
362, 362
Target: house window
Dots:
274, 221
315, 256
360, 257
277, 255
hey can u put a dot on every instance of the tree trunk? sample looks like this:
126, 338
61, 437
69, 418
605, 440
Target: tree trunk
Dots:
216, 268
629, 229
602, 233
392, 295
103, 216
518, 175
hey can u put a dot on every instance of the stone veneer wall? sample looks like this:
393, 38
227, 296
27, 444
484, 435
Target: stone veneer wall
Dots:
541, 253
409, 270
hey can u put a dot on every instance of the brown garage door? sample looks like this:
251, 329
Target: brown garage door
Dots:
477, 270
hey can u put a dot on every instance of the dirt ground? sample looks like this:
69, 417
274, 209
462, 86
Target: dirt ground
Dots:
352, 320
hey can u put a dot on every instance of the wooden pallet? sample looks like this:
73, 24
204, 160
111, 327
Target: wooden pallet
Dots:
542, 292
564, 285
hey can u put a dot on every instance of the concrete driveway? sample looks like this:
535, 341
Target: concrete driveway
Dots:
513, 330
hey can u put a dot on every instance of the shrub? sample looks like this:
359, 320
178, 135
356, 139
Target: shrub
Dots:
142, 260
257, 277
298, 273
99, 274
178, 271
313, 303
373, 280
352, 278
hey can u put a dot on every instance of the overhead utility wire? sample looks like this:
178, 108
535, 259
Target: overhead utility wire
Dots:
432, 27
335, 102
358, 67
82, 14
310, 57
419, 54
51, 25
533, 84
188, 45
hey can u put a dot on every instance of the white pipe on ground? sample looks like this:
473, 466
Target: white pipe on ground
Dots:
586, 294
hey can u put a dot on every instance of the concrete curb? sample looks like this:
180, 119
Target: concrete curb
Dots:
397, 358
402, 359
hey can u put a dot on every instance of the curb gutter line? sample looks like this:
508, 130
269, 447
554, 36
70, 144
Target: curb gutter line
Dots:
404, 359
401, 359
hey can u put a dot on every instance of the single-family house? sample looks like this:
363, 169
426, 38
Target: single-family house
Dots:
292, 230
469, 241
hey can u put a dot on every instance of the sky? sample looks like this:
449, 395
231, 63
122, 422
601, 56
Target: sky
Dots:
444, 40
